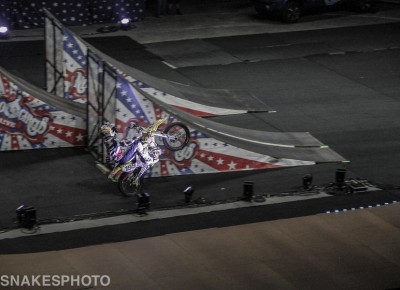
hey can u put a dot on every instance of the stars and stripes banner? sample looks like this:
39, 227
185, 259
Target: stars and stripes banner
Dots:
28, 123
203, 154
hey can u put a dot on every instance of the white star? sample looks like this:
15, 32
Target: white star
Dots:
68, 134
59, 131
220, 161
232, 165
210, 158
79, 137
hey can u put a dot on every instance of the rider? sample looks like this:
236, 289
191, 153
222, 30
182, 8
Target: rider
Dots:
138, 141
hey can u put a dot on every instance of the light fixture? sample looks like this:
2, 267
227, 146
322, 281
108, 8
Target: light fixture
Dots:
125, 21
340, 177
188, 192
307, 181
143, 203
248, 190
4, 32
126, 24
26, 216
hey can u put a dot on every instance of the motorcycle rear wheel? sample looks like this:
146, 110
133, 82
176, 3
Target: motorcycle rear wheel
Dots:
125, 185
182, 134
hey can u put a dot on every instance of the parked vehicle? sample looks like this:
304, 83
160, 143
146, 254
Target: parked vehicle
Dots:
290, 11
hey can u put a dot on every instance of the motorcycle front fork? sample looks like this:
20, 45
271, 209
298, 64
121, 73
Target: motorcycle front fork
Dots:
140, 174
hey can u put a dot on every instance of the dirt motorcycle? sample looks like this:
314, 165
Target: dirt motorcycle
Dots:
133, 158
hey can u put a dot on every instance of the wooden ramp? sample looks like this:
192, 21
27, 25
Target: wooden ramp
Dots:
348, 250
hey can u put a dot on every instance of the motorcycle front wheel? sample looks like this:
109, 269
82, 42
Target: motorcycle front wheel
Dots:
178, 136
126, 186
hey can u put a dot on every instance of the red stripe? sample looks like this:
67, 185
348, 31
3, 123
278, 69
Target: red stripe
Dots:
14, 142
221, 162
163, 168
71, 135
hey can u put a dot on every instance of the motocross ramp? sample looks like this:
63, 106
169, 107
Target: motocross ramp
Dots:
65, 105
297, 146
300, 146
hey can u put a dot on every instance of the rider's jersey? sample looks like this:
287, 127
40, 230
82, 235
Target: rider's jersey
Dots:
123, 151
149, 152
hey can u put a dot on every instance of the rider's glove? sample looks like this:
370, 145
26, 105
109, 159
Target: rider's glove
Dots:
132, 125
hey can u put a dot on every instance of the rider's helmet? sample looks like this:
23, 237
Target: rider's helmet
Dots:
108, 129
